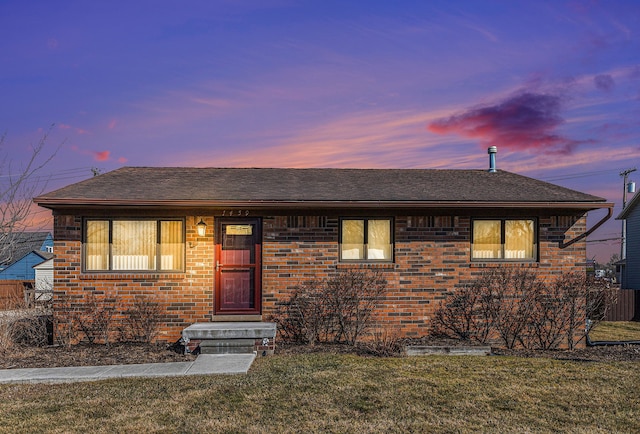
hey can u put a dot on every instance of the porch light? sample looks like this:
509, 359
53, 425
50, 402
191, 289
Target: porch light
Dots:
202, 228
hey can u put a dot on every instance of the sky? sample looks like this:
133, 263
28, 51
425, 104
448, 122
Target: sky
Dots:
555, 85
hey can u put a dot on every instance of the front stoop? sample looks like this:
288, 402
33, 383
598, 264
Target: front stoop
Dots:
231, 337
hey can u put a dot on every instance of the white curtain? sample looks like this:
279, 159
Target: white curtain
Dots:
352, 239
486, 239
134, 244
97, 245
171, 245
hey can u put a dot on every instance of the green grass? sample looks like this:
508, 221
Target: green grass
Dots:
345, 393
616, 331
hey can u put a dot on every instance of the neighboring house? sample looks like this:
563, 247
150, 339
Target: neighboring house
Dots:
26, 250
630, 264
43, 280
225, 245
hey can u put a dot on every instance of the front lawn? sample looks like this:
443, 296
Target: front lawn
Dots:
616, 331
345, 393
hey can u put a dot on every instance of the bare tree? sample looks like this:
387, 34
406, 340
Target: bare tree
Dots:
19, 183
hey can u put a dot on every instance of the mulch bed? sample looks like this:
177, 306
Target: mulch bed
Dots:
130, 353
88, 355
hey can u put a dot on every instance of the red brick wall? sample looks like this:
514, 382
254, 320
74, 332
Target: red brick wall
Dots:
431, 259
185, 298
429, 262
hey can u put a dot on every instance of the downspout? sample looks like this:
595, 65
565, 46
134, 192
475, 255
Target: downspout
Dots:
589, 232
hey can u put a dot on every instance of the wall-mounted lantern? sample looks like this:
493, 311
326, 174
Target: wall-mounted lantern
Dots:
201, 228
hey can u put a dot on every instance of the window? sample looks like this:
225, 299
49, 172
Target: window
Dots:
366, 240
504, 239
134, 245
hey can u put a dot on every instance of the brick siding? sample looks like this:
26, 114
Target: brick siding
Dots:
431, 260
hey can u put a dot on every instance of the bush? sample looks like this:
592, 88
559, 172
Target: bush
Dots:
142, 319
33, 328
462, 316
385, 343
337, 309
515, 307
94, 318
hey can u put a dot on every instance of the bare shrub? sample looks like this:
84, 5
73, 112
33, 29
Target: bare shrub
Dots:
142, 320
462, 316
549, 321
511, 295
6, 337
515, 307
587, 303
66, 330
95, 318
302, 318
385, 343
337, 309
351, 297
32, 329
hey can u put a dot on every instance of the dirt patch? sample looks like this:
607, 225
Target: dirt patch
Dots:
88, 355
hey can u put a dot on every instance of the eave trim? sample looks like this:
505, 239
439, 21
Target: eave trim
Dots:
75, 203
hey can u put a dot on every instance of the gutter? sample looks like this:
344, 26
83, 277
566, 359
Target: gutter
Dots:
260, 204
590, 231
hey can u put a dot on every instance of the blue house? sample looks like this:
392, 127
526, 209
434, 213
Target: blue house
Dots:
27, 249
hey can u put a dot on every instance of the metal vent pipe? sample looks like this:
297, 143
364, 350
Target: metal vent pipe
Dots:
493, 150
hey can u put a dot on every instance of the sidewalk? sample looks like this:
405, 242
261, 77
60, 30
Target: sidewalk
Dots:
205, 364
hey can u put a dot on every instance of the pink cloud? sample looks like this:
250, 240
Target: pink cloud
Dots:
112, 124
522, 122
101, 156
122, 160
64, 126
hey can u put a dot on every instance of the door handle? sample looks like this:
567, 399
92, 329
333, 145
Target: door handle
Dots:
218, 265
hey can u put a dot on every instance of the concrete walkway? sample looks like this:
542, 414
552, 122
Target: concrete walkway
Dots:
203, 365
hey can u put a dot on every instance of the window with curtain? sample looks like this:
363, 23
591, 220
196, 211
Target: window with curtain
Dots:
366, 240
504, 240
134, 245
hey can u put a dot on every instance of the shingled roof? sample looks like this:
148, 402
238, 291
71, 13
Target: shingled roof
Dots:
182, 186
17, 245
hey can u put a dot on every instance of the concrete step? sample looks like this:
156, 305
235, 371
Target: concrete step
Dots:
230, 330
231, 337
228, 346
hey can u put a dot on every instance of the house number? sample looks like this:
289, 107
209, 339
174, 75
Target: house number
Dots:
232, 212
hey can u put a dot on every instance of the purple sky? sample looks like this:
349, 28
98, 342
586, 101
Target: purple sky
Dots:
405, 84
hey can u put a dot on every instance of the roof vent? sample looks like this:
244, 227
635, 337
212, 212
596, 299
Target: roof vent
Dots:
493, 150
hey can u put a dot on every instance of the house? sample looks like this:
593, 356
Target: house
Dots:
43, 288
222, 245
630, 264
23, 251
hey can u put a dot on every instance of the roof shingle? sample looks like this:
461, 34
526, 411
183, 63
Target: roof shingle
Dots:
224, 185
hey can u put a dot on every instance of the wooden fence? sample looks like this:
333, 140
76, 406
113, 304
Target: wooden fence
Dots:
626, 307
12, 294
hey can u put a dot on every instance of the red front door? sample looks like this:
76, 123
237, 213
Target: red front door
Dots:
238, 247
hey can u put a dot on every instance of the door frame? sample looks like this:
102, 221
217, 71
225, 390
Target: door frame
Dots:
257, 266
